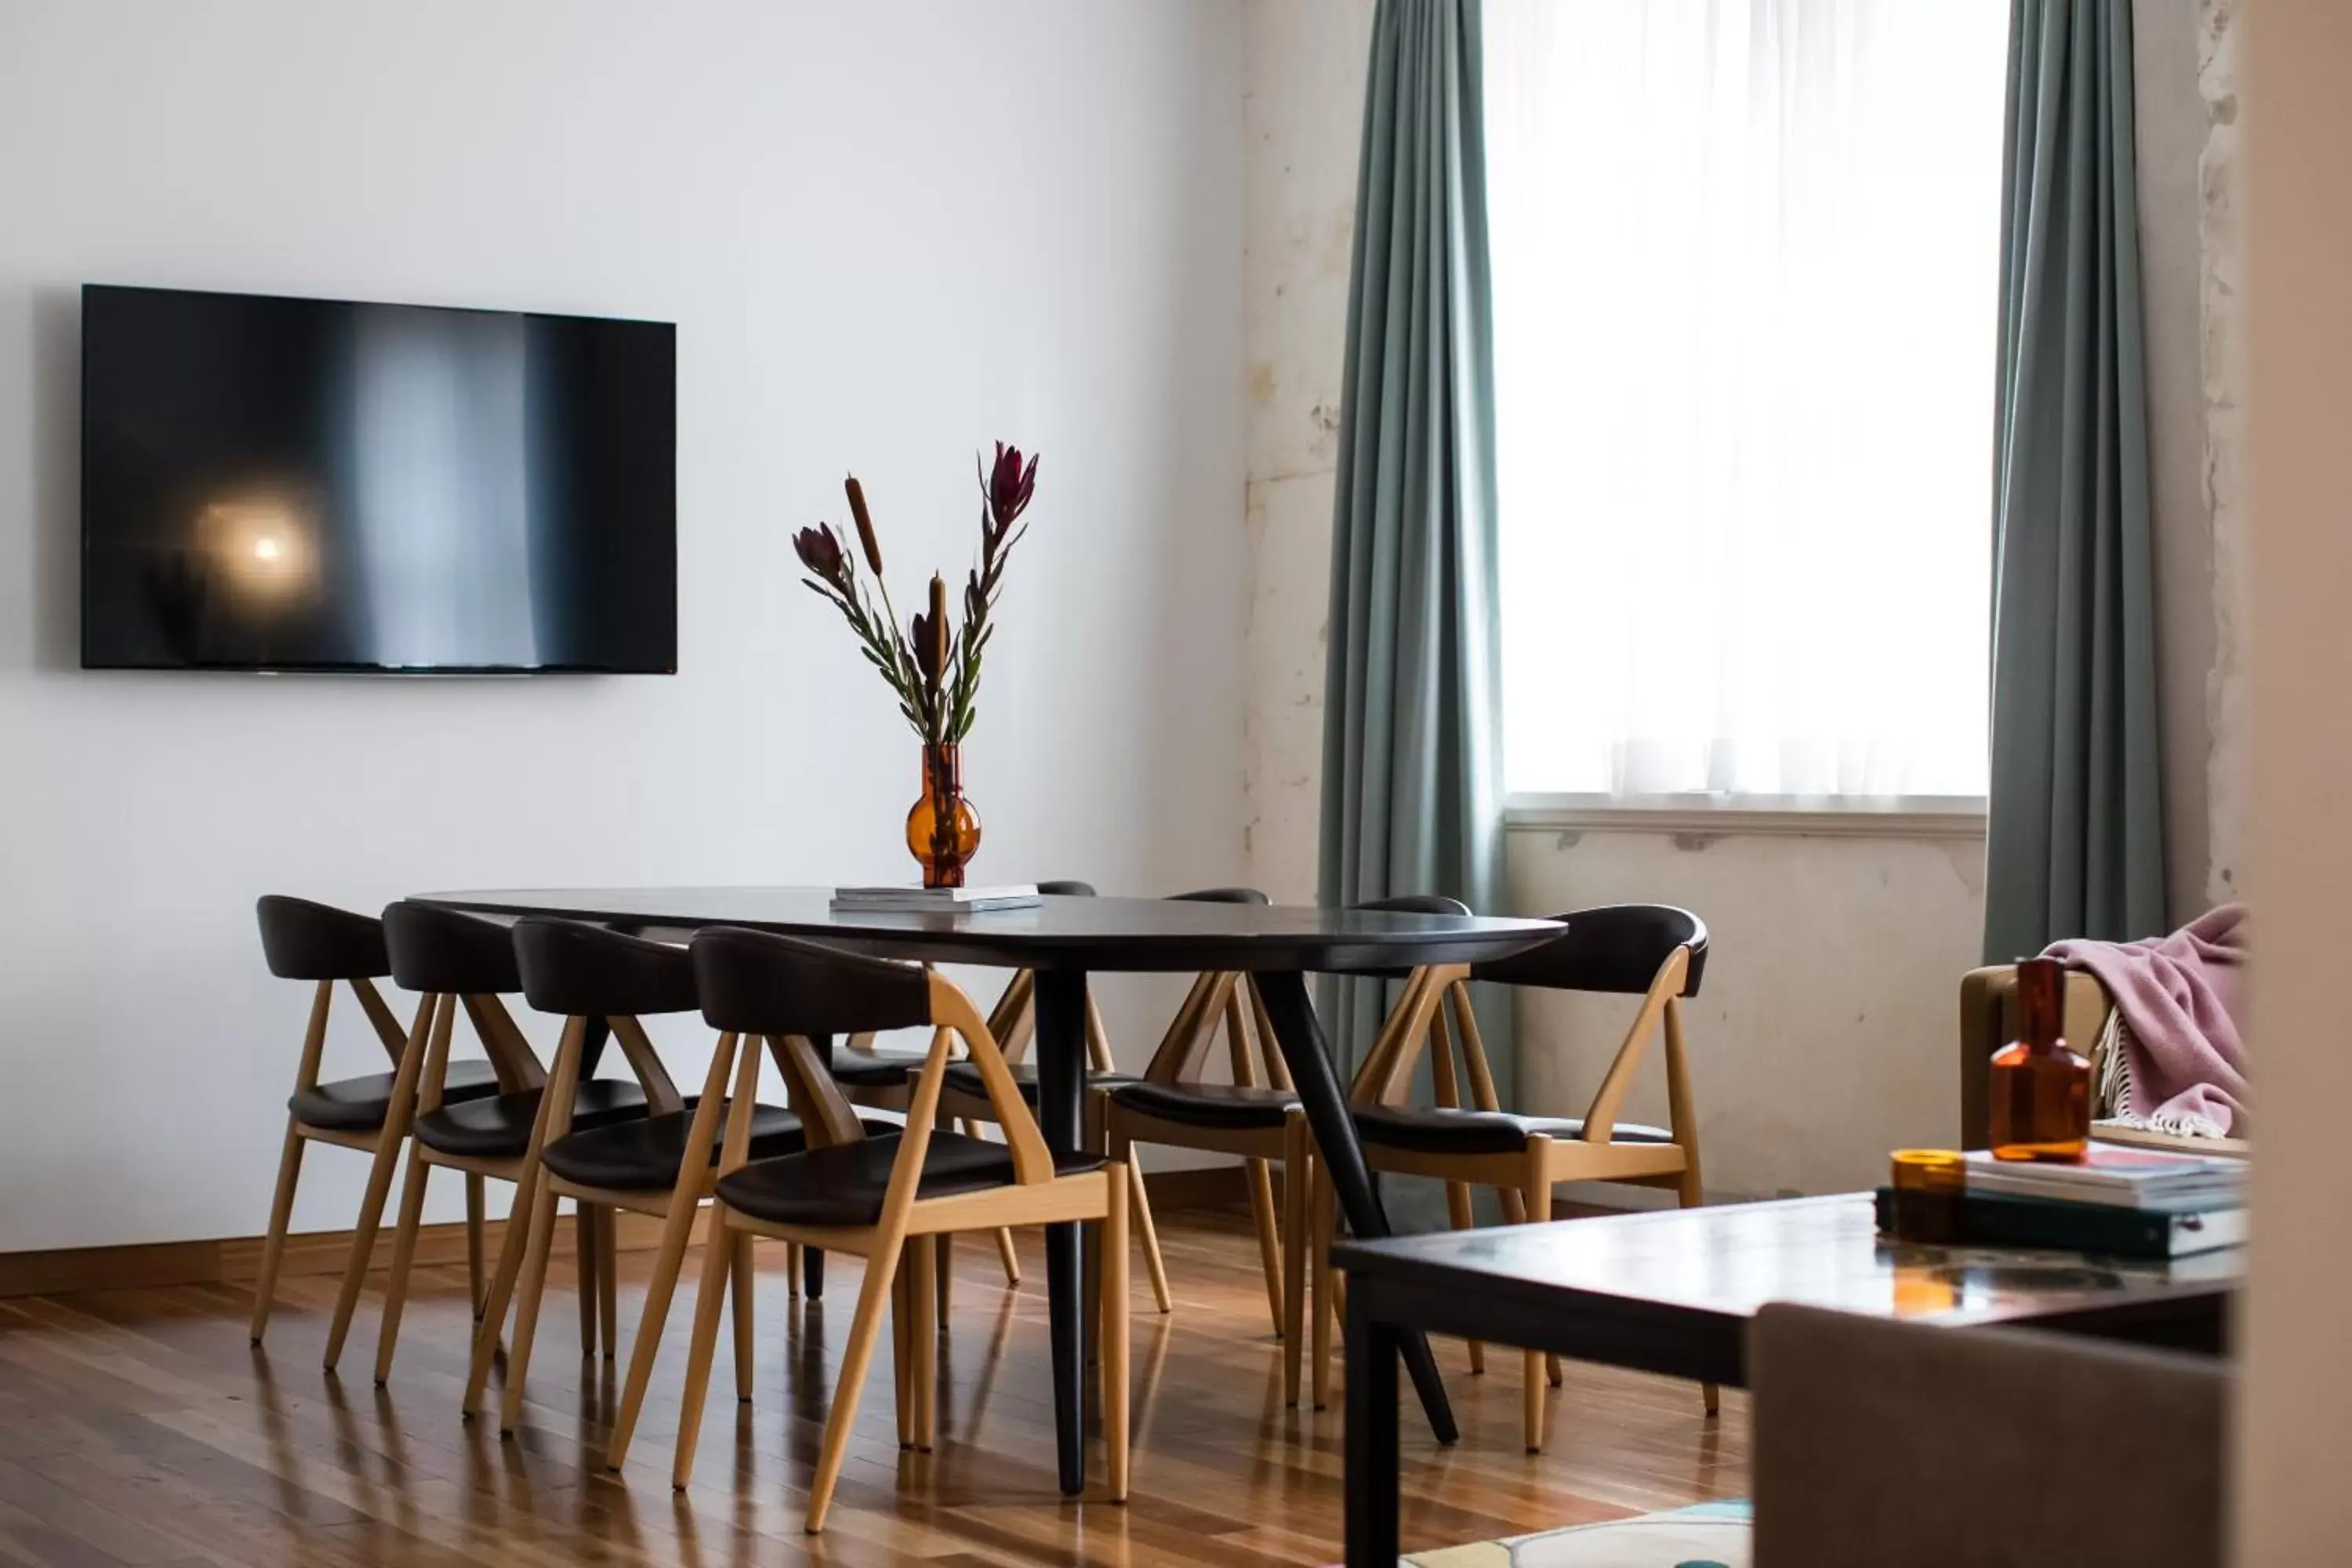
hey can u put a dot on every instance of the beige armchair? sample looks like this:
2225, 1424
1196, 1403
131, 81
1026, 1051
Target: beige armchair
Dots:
1988, 1022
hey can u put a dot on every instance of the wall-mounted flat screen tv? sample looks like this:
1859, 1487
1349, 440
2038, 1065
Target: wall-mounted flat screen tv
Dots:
310, 485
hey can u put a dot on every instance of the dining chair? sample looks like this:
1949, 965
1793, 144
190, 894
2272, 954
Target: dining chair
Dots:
465, 961
965, 1098
884, 1080
1654, 951
885, 1196
1263, 1123
326, 946
589, 974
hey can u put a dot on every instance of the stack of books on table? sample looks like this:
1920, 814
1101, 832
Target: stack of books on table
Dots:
933, 901
2128, 1202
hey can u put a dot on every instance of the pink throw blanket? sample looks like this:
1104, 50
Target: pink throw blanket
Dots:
2180, 996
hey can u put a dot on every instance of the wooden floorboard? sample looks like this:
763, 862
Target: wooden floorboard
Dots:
138, 1429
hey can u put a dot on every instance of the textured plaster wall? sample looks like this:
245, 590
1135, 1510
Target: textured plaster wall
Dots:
1302, 111
2223, 305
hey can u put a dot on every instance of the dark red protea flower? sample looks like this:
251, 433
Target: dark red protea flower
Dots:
820, 551
1008, 485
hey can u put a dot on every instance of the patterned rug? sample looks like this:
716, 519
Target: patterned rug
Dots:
1711, 1535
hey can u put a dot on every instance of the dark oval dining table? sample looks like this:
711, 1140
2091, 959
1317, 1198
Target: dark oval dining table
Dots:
1063, 940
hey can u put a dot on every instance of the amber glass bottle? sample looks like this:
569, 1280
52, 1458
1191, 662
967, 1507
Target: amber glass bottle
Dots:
2041, 1090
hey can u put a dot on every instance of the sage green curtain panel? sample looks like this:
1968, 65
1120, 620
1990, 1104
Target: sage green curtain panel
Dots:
2074, 841
1413, 714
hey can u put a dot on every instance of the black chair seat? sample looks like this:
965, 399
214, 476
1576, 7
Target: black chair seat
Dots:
358, 1104
644, 1156
964, 1079
1434, 1131
1223, 1106
499, 1128
843, 1185
872, 1069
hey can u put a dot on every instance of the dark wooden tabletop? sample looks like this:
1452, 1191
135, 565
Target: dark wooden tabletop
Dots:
1727, 1260
1094, 934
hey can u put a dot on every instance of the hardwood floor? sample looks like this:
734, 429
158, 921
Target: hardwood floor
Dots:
138, 1427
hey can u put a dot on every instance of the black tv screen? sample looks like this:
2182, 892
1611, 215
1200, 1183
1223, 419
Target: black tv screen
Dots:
304, 484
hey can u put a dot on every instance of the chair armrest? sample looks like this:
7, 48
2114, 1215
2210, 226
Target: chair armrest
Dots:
1988, 1008
1878, 1442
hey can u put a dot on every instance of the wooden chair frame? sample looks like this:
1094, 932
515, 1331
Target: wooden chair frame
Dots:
367, 1140
1522, 1179
428, 1039
675, 1208
1226, 999
904, 1232
512, 1060
1013, 1022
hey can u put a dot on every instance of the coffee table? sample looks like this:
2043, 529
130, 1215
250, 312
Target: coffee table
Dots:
1671, 1291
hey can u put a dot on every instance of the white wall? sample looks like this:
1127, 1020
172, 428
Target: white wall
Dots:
886, 233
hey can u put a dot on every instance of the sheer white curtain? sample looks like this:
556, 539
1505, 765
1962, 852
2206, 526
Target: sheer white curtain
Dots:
1746, 269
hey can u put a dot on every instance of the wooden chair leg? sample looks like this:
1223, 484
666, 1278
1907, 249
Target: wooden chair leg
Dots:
740, 1298
902, 1370
476, 1276
1139, 1206
871, 1295
355, 1267
923, 1340
511, 1248
792, 1269
1269, 1241
710, 1291
281, 1212
608, 1281
403, 1254
678, 1227
530, 1292
584, 1246
1296, 1180
1007, 1257
1114, 1332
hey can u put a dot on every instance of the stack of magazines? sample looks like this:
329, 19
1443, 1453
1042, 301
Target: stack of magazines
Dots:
2129, 1203
933, 901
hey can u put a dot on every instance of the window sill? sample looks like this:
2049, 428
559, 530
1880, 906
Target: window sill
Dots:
1714, 815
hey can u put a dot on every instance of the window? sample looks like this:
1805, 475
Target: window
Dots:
1746, 263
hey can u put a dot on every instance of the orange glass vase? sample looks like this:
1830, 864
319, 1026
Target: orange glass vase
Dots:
942, 830
2041, 1100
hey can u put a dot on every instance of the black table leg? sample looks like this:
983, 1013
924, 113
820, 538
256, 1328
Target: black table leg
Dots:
1061, 1005
1372, 1482
813, 1273
1326, 1103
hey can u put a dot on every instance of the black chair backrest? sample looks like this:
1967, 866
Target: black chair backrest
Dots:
303, 941
755, 983
1618, 948
1414, 904
584, 970
442, 951
1066, 889
1220, 895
